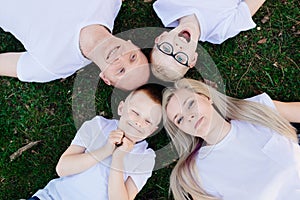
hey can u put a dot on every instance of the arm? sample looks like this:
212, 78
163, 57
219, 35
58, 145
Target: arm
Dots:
117, 188
290, 110
254, 5
8, 64
75, 160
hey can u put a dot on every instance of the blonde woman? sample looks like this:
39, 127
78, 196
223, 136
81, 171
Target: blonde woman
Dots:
231, 148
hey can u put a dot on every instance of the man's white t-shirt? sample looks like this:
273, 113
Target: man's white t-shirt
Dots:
251, 162
218, 19
49, 31
93, 183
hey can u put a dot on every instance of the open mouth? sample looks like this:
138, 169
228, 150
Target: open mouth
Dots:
185, 35
112, 52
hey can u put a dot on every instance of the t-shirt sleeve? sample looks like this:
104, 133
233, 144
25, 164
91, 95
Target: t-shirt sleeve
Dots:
88, 133
218, 19
30, 70
144, 169
264, 99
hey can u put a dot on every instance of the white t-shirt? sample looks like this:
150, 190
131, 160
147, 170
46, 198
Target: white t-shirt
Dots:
251, 162
93, 183
218, 19
49, 31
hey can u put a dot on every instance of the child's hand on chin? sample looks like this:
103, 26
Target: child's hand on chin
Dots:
127, 146
115, 139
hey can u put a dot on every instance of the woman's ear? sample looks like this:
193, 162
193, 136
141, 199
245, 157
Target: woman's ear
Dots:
106, 81
194, 60
120, 108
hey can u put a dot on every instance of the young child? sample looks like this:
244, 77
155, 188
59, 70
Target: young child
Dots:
213, 21
108, 158
61, 37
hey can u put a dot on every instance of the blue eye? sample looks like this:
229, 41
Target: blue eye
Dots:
181, 57
166, 49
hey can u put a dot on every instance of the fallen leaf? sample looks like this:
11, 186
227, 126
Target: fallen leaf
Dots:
262, 41
265, 19
147, 1
275, 64
22, 149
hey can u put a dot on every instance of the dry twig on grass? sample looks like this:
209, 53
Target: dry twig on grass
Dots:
22, 149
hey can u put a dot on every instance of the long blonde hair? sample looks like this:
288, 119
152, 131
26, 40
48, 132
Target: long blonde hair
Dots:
184, 180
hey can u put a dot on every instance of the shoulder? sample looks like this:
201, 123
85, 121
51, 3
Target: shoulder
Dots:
101, 122
264, 99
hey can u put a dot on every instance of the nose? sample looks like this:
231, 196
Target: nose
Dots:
139, 122
178, 46
122, 60
191, 116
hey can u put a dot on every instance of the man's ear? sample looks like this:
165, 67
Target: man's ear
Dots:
120, 108
158, 37
106, 81
194, 60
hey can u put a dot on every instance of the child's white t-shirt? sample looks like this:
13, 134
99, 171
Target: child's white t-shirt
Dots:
251, 162
49, 31
218, 19
93, 183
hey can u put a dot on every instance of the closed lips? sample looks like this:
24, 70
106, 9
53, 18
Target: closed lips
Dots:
198, 123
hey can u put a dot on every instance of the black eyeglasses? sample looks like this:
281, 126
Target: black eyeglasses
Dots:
167, 49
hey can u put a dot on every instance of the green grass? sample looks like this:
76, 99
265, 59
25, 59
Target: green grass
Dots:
31, 111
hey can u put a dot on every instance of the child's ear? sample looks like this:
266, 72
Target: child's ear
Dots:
158, 37
120, 108
106, 81
194, 60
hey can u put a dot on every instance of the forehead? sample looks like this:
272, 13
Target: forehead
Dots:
177, 100
139, 98
180, 95
141, 102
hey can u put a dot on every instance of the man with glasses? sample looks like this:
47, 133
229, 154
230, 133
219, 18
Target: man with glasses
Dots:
61, 37
174, 52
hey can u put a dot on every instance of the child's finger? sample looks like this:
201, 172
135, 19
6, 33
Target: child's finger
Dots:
116, 137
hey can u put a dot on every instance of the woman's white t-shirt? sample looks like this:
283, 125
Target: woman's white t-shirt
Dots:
251, 162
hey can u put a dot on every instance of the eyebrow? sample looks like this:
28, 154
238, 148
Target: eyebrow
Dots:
184, 102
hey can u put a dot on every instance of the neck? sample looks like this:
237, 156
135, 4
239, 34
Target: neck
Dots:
192, 22
90, 37
220, 130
